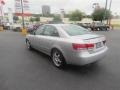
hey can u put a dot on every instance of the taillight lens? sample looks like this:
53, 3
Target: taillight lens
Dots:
82, 46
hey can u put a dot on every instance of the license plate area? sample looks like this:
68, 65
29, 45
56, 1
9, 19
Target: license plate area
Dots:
98, 45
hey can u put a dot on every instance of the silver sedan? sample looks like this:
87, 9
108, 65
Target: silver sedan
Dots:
68, 44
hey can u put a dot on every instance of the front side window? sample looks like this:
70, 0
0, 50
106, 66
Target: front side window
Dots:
51, 31
40, 30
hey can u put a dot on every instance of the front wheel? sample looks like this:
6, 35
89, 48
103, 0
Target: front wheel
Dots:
28, 45
58, 59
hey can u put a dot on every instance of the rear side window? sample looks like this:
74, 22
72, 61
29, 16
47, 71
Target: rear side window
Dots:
74, 30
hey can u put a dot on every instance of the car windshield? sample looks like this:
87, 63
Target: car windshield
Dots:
74, 30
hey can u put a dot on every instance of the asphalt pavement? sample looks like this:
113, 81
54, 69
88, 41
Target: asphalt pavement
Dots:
21, 69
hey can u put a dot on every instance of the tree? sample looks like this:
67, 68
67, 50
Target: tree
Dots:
88, 16
76, 15
37, 19
99, 14
57, 18
32, 19
66, 15
51, 15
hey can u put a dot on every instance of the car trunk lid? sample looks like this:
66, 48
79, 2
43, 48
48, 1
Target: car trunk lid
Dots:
99, 41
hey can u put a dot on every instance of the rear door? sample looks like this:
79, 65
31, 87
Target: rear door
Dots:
49, 37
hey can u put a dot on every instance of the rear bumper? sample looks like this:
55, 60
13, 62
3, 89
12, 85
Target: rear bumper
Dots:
83, 59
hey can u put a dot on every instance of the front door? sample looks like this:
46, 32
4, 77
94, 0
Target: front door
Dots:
49, 37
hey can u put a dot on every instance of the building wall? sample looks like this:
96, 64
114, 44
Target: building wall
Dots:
115, 21
45, 10
45, 19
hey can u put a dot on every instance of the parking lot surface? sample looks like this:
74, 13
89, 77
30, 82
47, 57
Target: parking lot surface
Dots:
21, 69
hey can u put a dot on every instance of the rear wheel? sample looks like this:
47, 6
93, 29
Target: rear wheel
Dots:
58, 59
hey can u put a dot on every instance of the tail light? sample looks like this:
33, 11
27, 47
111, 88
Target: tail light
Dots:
82, 46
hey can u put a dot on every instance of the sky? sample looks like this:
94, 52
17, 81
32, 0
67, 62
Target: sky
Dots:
67, 5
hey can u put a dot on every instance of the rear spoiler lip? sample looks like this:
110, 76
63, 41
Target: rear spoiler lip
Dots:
95, 37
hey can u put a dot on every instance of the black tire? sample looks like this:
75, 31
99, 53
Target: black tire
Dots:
58, 59
107, 29
94, 63
97, 29
28, 45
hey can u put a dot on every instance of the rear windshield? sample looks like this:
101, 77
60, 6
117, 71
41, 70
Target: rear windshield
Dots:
74, 30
